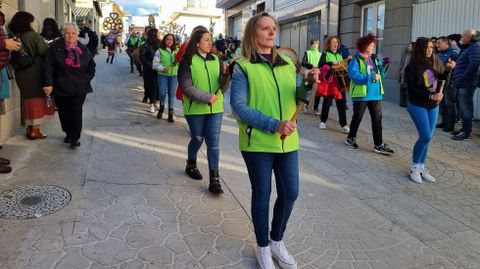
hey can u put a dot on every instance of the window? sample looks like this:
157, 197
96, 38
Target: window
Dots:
279, 4
203, 4
373, 21
191, 3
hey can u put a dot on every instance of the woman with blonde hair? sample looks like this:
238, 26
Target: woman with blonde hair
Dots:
263, 100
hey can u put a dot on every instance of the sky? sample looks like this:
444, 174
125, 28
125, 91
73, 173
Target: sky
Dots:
140, 7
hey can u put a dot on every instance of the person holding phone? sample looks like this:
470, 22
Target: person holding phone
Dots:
422, 76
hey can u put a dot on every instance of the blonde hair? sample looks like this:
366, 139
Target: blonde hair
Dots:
326, 45
249, 40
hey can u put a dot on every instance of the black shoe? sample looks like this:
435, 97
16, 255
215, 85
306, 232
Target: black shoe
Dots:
462, 136
215, 186
140, 74
456, 132
67, 140
131, 71
441, 125
160, 111
4, 161
74, 144
170, 115
403, 105
383, 149
448, 128
192, 170
351, 142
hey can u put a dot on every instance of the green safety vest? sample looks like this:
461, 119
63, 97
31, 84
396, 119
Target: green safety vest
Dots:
205, 77
313, 56
357, 90
133, 41
333, 57
167, 59
271, 90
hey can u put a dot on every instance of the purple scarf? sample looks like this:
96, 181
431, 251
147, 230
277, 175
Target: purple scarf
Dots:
73, 55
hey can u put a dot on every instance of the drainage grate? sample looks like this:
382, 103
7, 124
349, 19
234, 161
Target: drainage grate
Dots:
32, 201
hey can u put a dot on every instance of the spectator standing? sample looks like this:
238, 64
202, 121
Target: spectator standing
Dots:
422, 75
199, 76
448, 104
263, 100
133, 43
407, 57
220, 44
50, 31
366, 89
86, 32
464, 77
165, 64
67, 72
29, 80
6, 46
150, 80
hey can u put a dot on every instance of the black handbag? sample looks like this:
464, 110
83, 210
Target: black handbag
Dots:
22, 58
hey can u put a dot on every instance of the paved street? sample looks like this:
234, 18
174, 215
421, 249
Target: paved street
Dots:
133, 206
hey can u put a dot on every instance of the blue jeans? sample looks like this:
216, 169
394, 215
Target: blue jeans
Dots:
451, 105
167, 84
285, 168
465, 101
205, 127
425, 121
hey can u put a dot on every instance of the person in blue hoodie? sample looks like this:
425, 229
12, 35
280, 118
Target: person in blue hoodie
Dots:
464, 78
366, 89
447, 105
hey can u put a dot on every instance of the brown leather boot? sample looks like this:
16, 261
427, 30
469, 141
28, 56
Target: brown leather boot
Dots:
36, 134
28, 131
5, 169
4, 162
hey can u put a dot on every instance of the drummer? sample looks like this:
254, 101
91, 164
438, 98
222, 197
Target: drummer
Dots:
333, 58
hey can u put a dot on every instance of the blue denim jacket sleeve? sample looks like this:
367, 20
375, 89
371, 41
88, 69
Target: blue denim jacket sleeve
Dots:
238, 101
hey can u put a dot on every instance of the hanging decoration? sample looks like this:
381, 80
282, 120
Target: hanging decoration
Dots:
113, 23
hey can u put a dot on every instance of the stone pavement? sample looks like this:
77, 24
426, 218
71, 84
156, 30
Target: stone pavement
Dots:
133, 207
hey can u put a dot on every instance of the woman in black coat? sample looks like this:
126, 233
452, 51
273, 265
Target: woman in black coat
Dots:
68, 70
147, 52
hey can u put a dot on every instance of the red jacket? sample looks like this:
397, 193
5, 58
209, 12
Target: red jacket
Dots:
4, 53
178, 58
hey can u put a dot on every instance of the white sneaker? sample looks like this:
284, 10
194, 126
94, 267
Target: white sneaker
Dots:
426, 175
346, 129
322, 125
264, 258
415, 174
152, 108
317, 112
281, 255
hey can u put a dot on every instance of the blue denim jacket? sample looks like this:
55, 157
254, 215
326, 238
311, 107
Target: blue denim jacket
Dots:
238, 101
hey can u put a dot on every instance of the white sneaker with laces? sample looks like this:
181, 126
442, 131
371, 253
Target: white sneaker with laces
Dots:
346, 129
415, 174
279, 253
152, 108
426, 175
322, 125
264, 258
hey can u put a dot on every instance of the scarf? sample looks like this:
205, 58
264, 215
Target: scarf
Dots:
73, 55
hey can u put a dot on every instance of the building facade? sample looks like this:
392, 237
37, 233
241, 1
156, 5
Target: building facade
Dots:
88, 9
62, 11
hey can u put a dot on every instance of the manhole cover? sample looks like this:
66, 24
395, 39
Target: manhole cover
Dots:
32, 201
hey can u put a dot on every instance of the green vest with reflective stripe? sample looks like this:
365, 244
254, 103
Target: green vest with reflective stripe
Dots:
357, 90
333, 57
167, 59
313, 56
272, 92
133, 41
205, 77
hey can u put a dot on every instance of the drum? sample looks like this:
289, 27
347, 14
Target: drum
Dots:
340, 74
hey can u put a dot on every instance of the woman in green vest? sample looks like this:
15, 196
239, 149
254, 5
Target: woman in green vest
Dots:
199, 77
167, 68
263, 101
332, 57
310, 60
366, 89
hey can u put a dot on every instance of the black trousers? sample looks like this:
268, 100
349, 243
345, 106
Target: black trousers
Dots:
341, 108
70, 110
375, 110
316, 102
139, 66
150, 84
